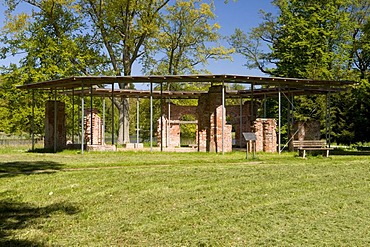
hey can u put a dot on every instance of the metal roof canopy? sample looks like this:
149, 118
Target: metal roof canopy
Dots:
87, 81
235, 94
278, 85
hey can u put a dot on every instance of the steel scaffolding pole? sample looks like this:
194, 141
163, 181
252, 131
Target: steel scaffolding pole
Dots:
82, 119
112, 113
91, 116
223, 117
161, 117
33, 121
137, 121
73, 116
279, 141
103, 127
151, 116
55, 120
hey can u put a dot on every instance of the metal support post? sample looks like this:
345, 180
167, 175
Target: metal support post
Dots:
240, 122
73, 116
252, 103
223, 118
169, 123
151, 116
328, 119
55, 120
91, 116
137, 121
103, 127
279, 127
112, 113
33, 121
161, 116
82, 119
264, 106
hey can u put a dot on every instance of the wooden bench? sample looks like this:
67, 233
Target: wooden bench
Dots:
311, 145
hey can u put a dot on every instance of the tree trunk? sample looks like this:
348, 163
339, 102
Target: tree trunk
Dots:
124, 121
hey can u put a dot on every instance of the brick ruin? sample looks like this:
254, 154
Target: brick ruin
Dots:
93, 127
265, 129
171, 121
209, 124
61, 132
208, 115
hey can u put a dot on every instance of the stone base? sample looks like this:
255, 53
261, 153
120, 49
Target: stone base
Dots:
139, 145
133, 146
129, 145
101, 148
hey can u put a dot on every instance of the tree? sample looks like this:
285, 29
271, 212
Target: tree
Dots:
185, 40
318, 40
360, 17
122, 27
51, 47
89, 37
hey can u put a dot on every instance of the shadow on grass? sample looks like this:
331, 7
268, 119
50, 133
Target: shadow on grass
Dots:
9, 169
347, 152
51, 150
44, 151
18, 215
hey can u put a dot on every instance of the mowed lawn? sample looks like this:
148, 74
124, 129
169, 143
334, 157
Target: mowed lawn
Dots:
183, 199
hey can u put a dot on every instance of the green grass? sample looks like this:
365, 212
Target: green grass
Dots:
183, 199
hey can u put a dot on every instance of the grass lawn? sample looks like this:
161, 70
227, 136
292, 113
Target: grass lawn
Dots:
182, 199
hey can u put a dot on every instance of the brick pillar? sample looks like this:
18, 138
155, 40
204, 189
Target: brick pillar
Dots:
61, 138
210, 117
265, 130
95, 126
162, 136
258, 130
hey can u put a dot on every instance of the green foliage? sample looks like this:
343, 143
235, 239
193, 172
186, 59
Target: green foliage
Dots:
16, 107
188, 131
327, 40
185, 39
310, 38
351, 115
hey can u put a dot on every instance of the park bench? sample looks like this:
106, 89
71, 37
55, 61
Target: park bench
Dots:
311, 145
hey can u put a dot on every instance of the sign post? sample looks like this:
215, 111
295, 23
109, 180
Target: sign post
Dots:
250, 137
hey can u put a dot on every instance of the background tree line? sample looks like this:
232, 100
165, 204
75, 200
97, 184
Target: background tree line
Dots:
61, 38
305, 39
327, 40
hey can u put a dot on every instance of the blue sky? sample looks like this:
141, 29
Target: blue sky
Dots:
243, 14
